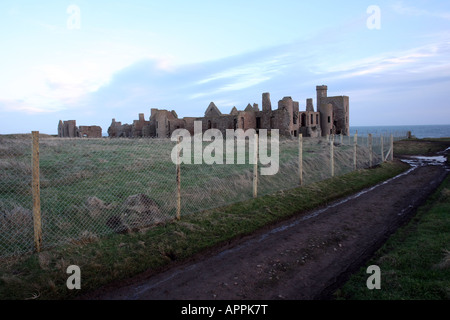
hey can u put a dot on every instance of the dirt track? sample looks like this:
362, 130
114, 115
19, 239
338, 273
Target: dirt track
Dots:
307, 257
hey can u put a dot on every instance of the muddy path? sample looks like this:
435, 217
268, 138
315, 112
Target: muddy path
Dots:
307, 257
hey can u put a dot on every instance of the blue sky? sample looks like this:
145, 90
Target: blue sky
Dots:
115, 59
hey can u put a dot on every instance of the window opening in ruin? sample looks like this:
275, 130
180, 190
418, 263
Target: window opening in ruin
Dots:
209, 124
295, 133
317, 118
329, 119
303, 120
312, 119
234, 123
258, 122
242, 122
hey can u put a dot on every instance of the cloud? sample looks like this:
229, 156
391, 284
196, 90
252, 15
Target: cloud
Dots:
281, 70
400, 8
93, 94
427, 61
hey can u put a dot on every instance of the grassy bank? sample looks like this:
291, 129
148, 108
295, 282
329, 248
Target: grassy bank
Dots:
421, 146
116, 257
415, 262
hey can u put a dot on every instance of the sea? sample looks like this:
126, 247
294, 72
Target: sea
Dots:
418, 131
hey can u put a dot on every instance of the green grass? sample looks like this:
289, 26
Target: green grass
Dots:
415, 261
420, 146
115, 257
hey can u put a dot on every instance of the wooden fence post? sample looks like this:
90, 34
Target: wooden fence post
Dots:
382, 147
332, 156
35, 186
255, 167
300, 157
178, 180
369, 138
392, 148
355, 142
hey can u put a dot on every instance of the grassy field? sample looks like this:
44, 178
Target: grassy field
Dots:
115, 257
421, 146
84, 183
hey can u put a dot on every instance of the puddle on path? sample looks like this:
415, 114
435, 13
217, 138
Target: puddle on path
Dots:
417, 161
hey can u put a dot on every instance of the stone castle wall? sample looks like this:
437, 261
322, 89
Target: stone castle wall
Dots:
69, 129
331, 117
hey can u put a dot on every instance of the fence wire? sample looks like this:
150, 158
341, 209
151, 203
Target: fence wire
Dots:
90, 188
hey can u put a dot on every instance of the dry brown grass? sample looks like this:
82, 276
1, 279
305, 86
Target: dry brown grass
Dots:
445, 262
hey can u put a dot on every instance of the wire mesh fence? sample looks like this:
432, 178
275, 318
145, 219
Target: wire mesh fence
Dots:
89, 188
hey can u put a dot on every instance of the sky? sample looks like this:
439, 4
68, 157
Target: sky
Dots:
95, 60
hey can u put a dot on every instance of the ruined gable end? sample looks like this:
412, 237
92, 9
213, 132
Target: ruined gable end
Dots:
212, 111
249, 108
234, 111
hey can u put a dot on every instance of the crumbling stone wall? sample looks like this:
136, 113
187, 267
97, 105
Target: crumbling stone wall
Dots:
118, 130
137, 129
331, 116
339, 114
68, 129
340, 105
90, 132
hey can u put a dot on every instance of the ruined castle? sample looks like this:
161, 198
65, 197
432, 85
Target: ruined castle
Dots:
331, 117
69, 129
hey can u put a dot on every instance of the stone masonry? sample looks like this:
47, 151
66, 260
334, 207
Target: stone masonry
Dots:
331, 117
69, 129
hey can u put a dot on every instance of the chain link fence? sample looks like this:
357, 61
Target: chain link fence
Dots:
89, 188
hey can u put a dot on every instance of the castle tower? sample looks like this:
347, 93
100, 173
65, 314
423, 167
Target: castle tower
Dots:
325, 109
286, 106
60, 129
309, 105
266, 104
321, 93
326, 118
